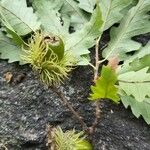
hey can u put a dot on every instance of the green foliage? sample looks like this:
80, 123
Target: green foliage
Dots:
70, 140
133, 75
54, 21
135, 22
77, 17
19, 16
18, 20
16, 38
138, 61
136, 83
87, 5
105, 86
138, 108
111, 15
79, 42
47, 12
50, 14
8, 49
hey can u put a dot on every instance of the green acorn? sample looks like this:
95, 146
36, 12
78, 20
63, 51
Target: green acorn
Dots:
84, 145
56, 44
47, 57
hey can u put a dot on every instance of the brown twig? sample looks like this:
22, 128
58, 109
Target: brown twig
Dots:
65, 101
96, 60
97, 103
3, 146
50, 138
97, 117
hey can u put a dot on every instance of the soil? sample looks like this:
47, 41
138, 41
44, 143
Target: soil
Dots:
27, 107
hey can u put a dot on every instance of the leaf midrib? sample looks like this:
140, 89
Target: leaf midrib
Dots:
76, 11
108, 12
122, 33
2, 40
82, 37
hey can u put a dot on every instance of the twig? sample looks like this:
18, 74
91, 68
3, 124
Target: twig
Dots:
96, 60
97, 103
65, 101
3, 146
103, 60
92, 66
51, 138
97, 117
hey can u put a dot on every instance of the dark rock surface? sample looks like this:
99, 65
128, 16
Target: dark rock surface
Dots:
27, 107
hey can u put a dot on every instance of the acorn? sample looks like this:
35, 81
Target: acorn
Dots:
84, 145
56, 44
47, 57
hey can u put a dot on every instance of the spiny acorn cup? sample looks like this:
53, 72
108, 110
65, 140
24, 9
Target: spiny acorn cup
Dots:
47, 56
69, 140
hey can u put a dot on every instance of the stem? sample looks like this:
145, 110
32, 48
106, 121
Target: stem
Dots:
50, 138
97, 103
96, 60
133, 81
101, 61
3, 146
97, 117
65, 101
92, 66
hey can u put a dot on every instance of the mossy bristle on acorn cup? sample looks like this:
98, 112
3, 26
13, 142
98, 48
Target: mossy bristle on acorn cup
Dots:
70, 140
47, 56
